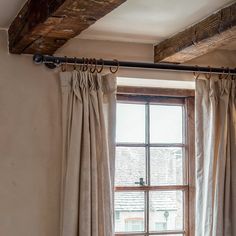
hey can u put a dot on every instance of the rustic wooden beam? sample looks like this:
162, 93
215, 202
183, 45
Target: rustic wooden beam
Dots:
45, 25
213, 32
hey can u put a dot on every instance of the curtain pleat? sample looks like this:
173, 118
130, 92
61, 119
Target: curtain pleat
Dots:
88, 126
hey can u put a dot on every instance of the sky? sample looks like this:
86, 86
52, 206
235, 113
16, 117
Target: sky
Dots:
165, 123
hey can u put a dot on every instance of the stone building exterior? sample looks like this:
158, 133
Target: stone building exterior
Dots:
165, 207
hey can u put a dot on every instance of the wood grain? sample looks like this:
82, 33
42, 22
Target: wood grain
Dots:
213, 32
45, 25
190, 153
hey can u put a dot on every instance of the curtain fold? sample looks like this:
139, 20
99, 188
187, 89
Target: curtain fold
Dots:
88, 126
215, 156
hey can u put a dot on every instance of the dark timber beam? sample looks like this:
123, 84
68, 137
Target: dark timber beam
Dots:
213, 32
45, 25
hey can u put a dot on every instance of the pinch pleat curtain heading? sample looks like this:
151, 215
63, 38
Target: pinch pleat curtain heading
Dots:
215, 156
88, 124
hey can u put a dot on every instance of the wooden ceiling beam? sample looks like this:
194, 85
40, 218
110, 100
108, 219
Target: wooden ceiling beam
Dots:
211, 33
43, 26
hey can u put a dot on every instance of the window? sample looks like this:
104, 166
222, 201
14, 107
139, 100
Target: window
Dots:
154, 190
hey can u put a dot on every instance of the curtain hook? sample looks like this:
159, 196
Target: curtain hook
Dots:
84, 61
75, 63
66, 62
117, 67
93, 62
64, 65
208, 75
232, 75
81, 65
85, 65
221, 76
90, 64
229, 73
102, 65
196, 73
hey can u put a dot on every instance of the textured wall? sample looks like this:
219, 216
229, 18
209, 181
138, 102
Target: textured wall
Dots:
29, 147
217, 58
140, 52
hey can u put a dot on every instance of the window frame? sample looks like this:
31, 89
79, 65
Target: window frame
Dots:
167, 97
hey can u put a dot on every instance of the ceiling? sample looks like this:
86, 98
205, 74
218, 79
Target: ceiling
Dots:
151, 21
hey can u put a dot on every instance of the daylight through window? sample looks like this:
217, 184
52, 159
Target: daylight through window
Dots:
151, 180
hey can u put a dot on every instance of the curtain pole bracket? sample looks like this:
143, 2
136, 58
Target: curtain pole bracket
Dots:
40, 59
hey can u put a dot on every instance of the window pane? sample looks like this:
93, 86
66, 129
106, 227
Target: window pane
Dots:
165, 124
166, 166
130, 165
165, 210
130, 206
130, 125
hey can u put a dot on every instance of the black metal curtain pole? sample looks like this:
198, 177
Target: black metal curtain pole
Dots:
52, 62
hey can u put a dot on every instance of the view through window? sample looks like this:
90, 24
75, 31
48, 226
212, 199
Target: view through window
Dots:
151, 182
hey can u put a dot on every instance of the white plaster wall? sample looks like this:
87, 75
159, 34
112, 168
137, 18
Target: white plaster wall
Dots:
144, 53
29, 147
217, 58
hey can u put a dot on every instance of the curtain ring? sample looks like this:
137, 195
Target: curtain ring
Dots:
233, 76
208, 75
228, 75
81, 64
66, 62
93, 62
196, 73
74, 67
90, 64
64, 65
117, 67
102, 65
85, 65
221, 76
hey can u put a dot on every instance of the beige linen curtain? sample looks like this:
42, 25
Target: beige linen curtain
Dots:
216, 156
88, 121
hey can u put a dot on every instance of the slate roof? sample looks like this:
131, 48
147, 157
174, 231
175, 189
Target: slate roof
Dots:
135, 202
